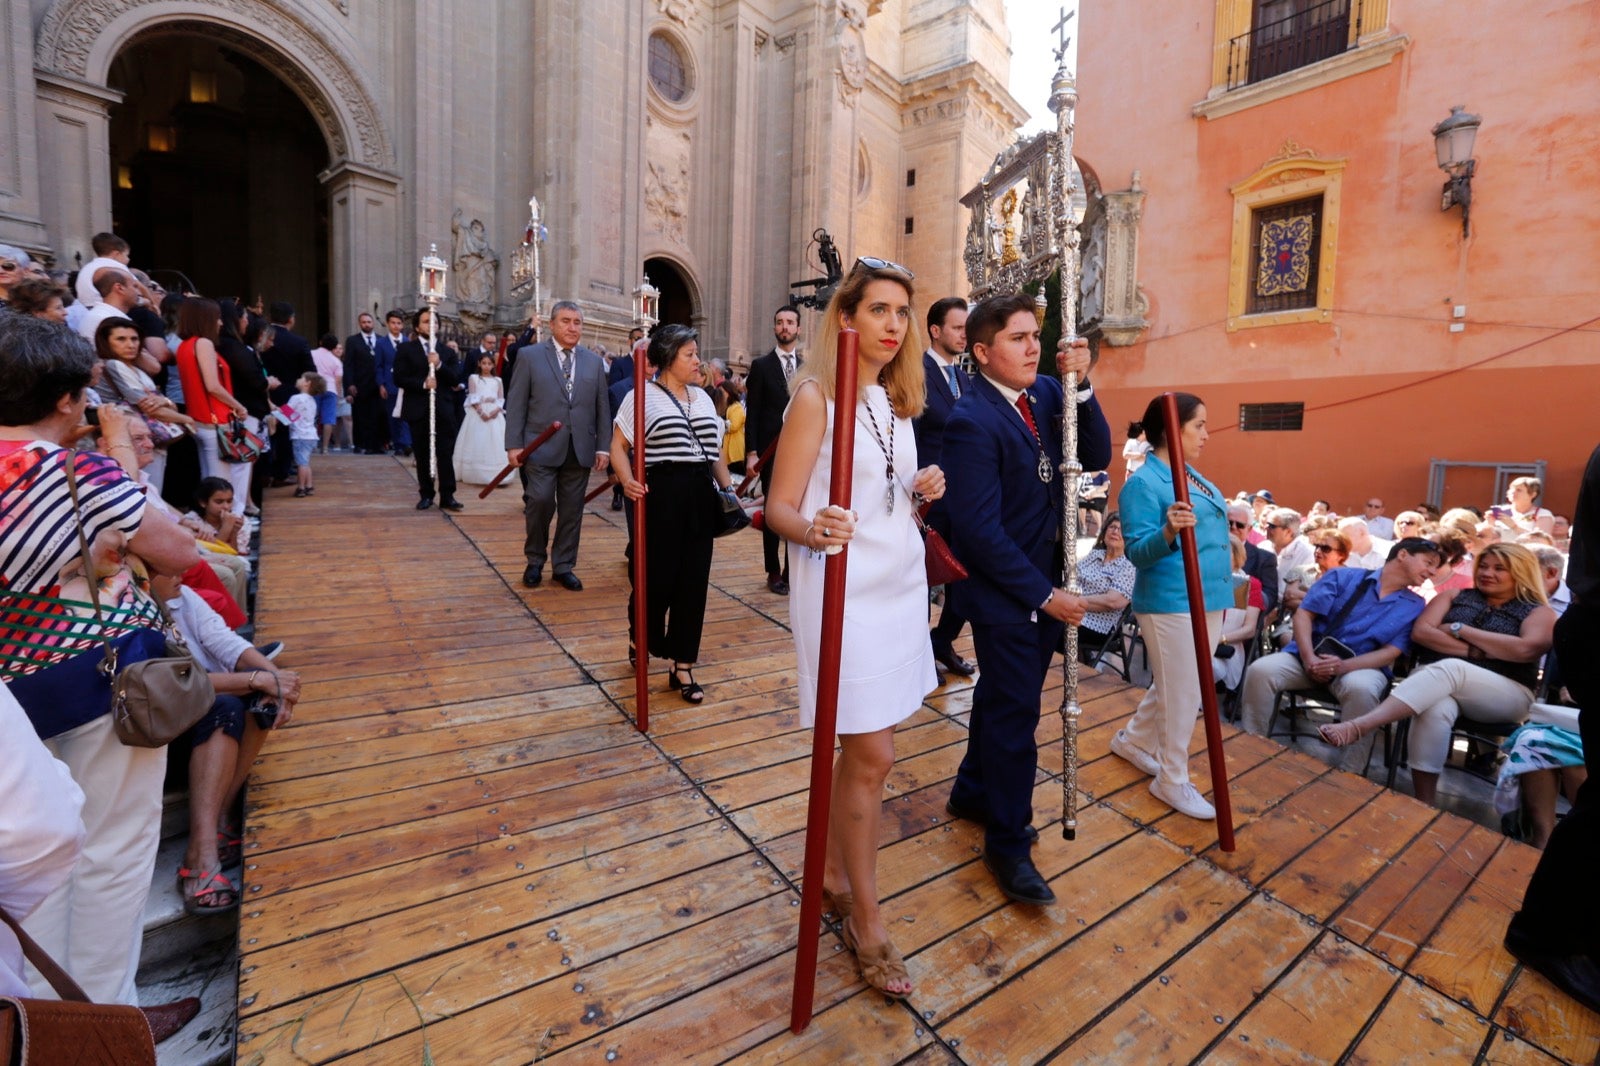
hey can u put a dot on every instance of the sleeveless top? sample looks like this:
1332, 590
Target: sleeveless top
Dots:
201, 405
1471, 609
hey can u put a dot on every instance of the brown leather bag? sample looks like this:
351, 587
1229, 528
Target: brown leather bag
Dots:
47, 1032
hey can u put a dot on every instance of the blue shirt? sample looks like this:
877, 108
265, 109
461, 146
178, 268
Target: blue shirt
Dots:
1373, 622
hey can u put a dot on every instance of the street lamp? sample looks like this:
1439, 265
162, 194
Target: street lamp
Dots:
431, 287
1453, 140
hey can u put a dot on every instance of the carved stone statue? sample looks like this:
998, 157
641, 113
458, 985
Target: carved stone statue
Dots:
476, 264
1091, 278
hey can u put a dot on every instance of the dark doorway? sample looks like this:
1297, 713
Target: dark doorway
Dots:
214, 164
676, 303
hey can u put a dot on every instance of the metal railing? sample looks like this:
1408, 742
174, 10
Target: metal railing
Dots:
1313, 33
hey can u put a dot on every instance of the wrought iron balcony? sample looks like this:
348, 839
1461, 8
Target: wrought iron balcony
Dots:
1313, 33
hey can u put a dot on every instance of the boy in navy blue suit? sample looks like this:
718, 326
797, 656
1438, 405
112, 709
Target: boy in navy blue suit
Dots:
1002, 460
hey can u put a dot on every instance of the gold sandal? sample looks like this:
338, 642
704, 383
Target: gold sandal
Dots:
879, 965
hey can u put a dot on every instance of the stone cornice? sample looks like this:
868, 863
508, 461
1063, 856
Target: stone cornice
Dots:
1369, 55
967, 78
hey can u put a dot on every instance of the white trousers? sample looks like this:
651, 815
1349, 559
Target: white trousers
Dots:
93, 925
213, 465
1357, 692
41, 830
1441, 691
1163, 724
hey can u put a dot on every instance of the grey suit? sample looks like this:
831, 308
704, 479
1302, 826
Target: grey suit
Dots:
555, 476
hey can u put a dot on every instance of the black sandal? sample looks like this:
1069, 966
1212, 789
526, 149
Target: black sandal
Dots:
690, 691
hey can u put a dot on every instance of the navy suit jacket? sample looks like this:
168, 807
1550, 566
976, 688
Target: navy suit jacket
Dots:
929, 426
1005, 522
385, 353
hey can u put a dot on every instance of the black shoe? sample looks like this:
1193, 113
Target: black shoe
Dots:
982, 819
776, 584
532, 576
1575, 974
946, 657
616, 503
569, 581
453, 504
425, 503
1019, 879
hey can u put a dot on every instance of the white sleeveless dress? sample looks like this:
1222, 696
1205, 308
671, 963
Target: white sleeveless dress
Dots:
886, 665
480, 444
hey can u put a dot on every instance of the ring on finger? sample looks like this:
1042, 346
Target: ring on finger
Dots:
826, 532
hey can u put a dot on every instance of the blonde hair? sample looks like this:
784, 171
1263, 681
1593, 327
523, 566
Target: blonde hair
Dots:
1532, 484
1527, 578
1461, 520
903, 378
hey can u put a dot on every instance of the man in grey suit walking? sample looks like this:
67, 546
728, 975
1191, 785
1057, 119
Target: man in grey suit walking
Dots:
557, 380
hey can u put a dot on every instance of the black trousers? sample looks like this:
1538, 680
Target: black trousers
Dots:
997, 773
281, 458
445, 429
771, 543
678, 540
1557, 911
369, 427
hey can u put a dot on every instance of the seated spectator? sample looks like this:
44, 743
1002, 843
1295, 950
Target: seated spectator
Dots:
1429, 512
1238, 623
14, 264
41, 298
1561, 534
1319, 509
1553, 569
1409, 524
116, 342
1259, 563
1381, 526
1543, 761
1282, 528
1455, 567
1106, 576
253, 696
215, 518
1260, 502
1329, 550
1534, 540
1349, 631
1366, 551
1525, 515
41, 831
1480, 652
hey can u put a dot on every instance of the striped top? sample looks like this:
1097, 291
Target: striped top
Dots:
666, 433
45, 614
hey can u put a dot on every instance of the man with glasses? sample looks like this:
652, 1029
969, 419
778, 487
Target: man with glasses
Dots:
1282, 527
1258, 562
1349, 630
1377, 524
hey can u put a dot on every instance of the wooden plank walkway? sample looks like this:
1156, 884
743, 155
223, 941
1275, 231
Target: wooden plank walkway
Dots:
462, 849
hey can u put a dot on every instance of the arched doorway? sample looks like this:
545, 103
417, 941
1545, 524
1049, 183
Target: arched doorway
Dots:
677, 302
214, 174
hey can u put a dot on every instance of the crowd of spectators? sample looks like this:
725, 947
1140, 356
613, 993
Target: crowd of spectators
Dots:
109, 437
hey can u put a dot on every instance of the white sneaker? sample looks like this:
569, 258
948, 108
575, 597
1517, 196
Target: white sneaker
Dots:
1184, 798
1142, 760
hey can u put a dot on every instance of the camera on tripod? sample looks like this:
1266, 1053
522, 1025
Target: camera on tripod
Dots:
821, 288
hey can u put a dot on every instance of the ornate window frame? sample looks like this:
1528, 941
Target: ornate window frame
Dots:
1296, 173
691, 71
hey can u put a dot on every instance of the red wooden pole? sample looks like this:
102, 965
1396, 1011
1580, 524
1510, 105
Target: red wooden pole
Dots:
641, 637
598, 489
755, 470
839, 480
522, 457
1202, 639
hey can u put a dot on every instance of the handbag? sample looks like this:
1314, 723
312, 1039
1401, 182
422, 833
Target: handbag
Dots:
45, 1032
236, 443
937, 559
153, 701
729, 516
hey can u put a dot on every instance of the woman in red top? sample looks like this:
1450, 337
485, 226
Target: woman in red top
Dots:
208, 391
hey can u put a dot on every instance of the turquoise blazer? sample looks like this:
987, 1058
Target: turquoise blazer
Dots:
1159, 587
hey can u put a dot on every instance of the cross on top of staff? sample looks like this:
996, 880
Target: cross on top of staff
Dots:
1060, 30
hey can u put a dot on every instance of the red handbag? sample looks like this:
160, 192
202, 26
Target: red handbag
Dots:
941, 563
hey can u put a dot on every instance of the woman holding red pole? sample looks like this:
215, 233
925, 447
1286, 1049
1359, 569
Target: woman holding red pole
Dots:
886, 665
1156, 739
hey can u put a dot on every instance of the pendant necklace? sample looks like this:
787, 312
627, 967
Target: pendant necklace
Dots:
887, 450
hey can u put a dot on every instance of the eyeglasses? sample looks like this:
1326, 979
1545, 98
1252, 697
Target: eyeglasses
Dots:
10, 266
874, 263
1238, 525
1320, 548
1370, 503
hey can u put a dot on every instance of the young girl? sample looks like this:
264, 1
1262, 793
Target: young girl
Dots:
480, 446
303, 427
214, 518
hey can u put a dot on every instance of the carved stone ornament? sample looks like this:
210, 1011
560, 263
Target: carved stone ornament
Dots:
683, 12
318, 69
1122, 317
474, 262
666, 188
852, 64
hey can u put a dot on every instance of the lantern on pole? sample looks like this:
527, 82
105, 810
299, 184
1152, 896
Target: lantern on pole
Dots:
646, 304
431, 281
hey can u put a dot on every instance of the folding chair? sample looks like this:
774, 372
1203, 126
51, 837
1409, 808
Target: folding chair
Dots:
1122, 641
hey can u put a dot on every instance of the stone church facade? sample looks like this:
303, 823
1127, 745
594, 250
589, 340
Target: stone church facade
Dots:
701, 140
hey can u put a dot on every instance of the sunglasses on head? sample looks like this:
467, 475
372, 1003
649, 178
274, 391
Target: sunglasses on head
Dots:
874, 263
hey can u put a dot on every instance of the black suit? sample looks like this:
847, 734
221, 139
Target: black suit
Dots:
766, 398
367, 419
929, 428
286, 360
1263, 566
411, 374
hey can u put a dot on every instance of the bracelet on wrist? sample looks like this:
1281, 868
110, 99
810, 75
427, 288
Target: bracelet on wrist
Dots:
805, 538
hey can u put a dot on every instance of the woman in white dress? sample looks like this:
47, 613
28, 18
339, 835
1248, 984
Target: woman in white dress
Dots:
886, 665
480, 447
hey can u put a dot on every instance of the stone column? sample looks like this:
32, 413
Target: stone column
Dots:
21, 214
1123, 318
74, 160
363, 223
